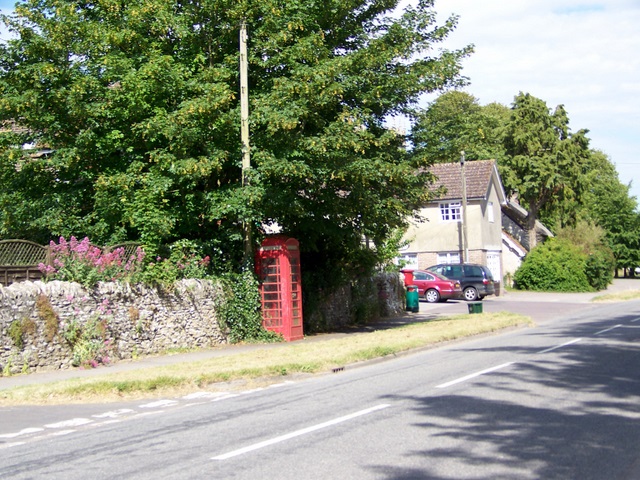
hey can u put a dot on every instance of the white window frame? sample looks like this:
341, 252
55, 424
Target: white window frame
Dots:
490, 213
448, 258
451, 212
411, 260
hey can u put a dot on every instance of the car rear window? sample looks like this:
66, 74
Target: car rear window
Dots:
423, 276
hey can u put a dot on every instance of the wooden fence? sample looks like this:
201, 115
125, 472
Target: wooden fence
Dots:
20, 259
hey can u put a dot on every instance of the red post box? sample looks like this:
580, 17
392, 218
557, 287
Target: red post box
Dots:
278, 270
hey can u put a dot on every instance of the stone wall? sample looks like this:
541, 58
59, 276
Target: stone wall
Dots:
139, 320
358, 303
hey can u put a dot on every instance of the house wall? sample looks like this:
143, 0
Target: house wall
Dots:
433, 236
491, 230
512, 256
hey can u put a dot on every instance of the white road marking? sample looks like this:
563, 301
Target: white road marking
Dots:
474, 375
607, 329
147, 414
636, 320
570, 342
74, 422
24, 431
61, 432
159, 403
197, 395
114, 413
298, 433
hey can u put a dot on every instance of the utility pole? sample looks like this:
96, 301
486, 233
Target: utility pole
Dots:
465, 241
244, 135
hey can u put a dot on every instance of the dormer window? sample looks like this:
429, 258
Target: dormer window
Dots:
450, 212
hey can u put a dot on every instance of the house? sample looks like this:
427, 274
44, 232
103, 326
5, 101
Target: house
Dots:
442, 236
495, 228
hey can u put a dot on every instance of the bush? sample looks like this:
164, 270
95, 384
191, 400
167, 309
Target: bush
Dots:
240, 312
591, 239
88, 341
600, 267
81, 262
556, 265
184, 260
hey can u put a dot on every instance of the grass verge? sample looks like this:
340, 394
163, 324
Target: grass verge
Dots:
618, 296
261, 366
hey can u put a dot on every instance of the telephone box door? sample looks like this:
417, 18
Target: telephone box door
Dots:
278, 269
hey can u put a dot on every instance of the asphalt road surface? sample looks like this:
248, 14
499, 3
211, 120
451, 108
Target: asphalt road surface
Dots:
557, 401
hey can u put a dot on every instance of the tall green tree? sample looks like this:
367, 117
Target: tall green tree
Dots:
137, 105
456, 122
607, 203
545, 163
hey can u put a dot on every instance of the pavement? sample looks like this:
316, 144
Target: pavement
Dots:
539, 306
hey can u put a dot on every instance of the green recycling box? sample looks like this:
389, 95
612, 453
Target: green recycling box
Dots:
413, 299
475, 307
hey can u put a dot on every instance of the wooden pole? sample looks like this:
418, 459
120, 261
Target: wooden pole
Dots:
465, 241
244, 135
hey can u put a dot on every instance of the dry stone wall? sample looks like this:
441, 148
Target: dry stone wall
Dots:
138, 320
359, 303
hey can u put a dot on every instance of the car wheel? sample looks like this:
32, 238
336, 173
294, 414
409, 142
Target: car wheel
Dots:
470, 294
432, 296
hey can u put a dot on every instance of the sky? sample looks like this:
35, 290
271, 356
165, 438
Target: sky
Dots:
583, 54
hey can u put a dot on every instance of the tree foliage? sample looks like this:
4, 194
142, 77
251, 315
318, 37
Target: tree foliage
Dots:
136, 105
545, 162
456, 122
607, 203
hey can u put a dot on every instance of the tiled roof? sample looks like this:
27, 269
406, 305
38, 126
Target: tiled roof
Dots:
449, 175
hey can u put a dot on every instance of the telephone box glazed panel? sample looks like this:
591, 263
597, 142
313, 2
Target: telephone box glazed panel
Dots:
278, 270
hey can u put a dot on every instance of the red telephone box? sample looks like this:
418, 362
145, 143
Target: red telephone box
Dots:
278, 269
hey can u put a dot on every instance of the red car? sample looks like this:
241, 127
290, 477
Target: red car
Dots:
432, 286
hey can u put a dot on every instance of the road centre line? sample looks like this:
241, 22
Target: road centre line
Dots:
551, 349
607, 329
473, 375
636, 320
74, 422
297, 433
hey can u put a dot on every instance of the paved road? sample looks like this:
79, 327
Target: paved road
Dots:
557, 401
